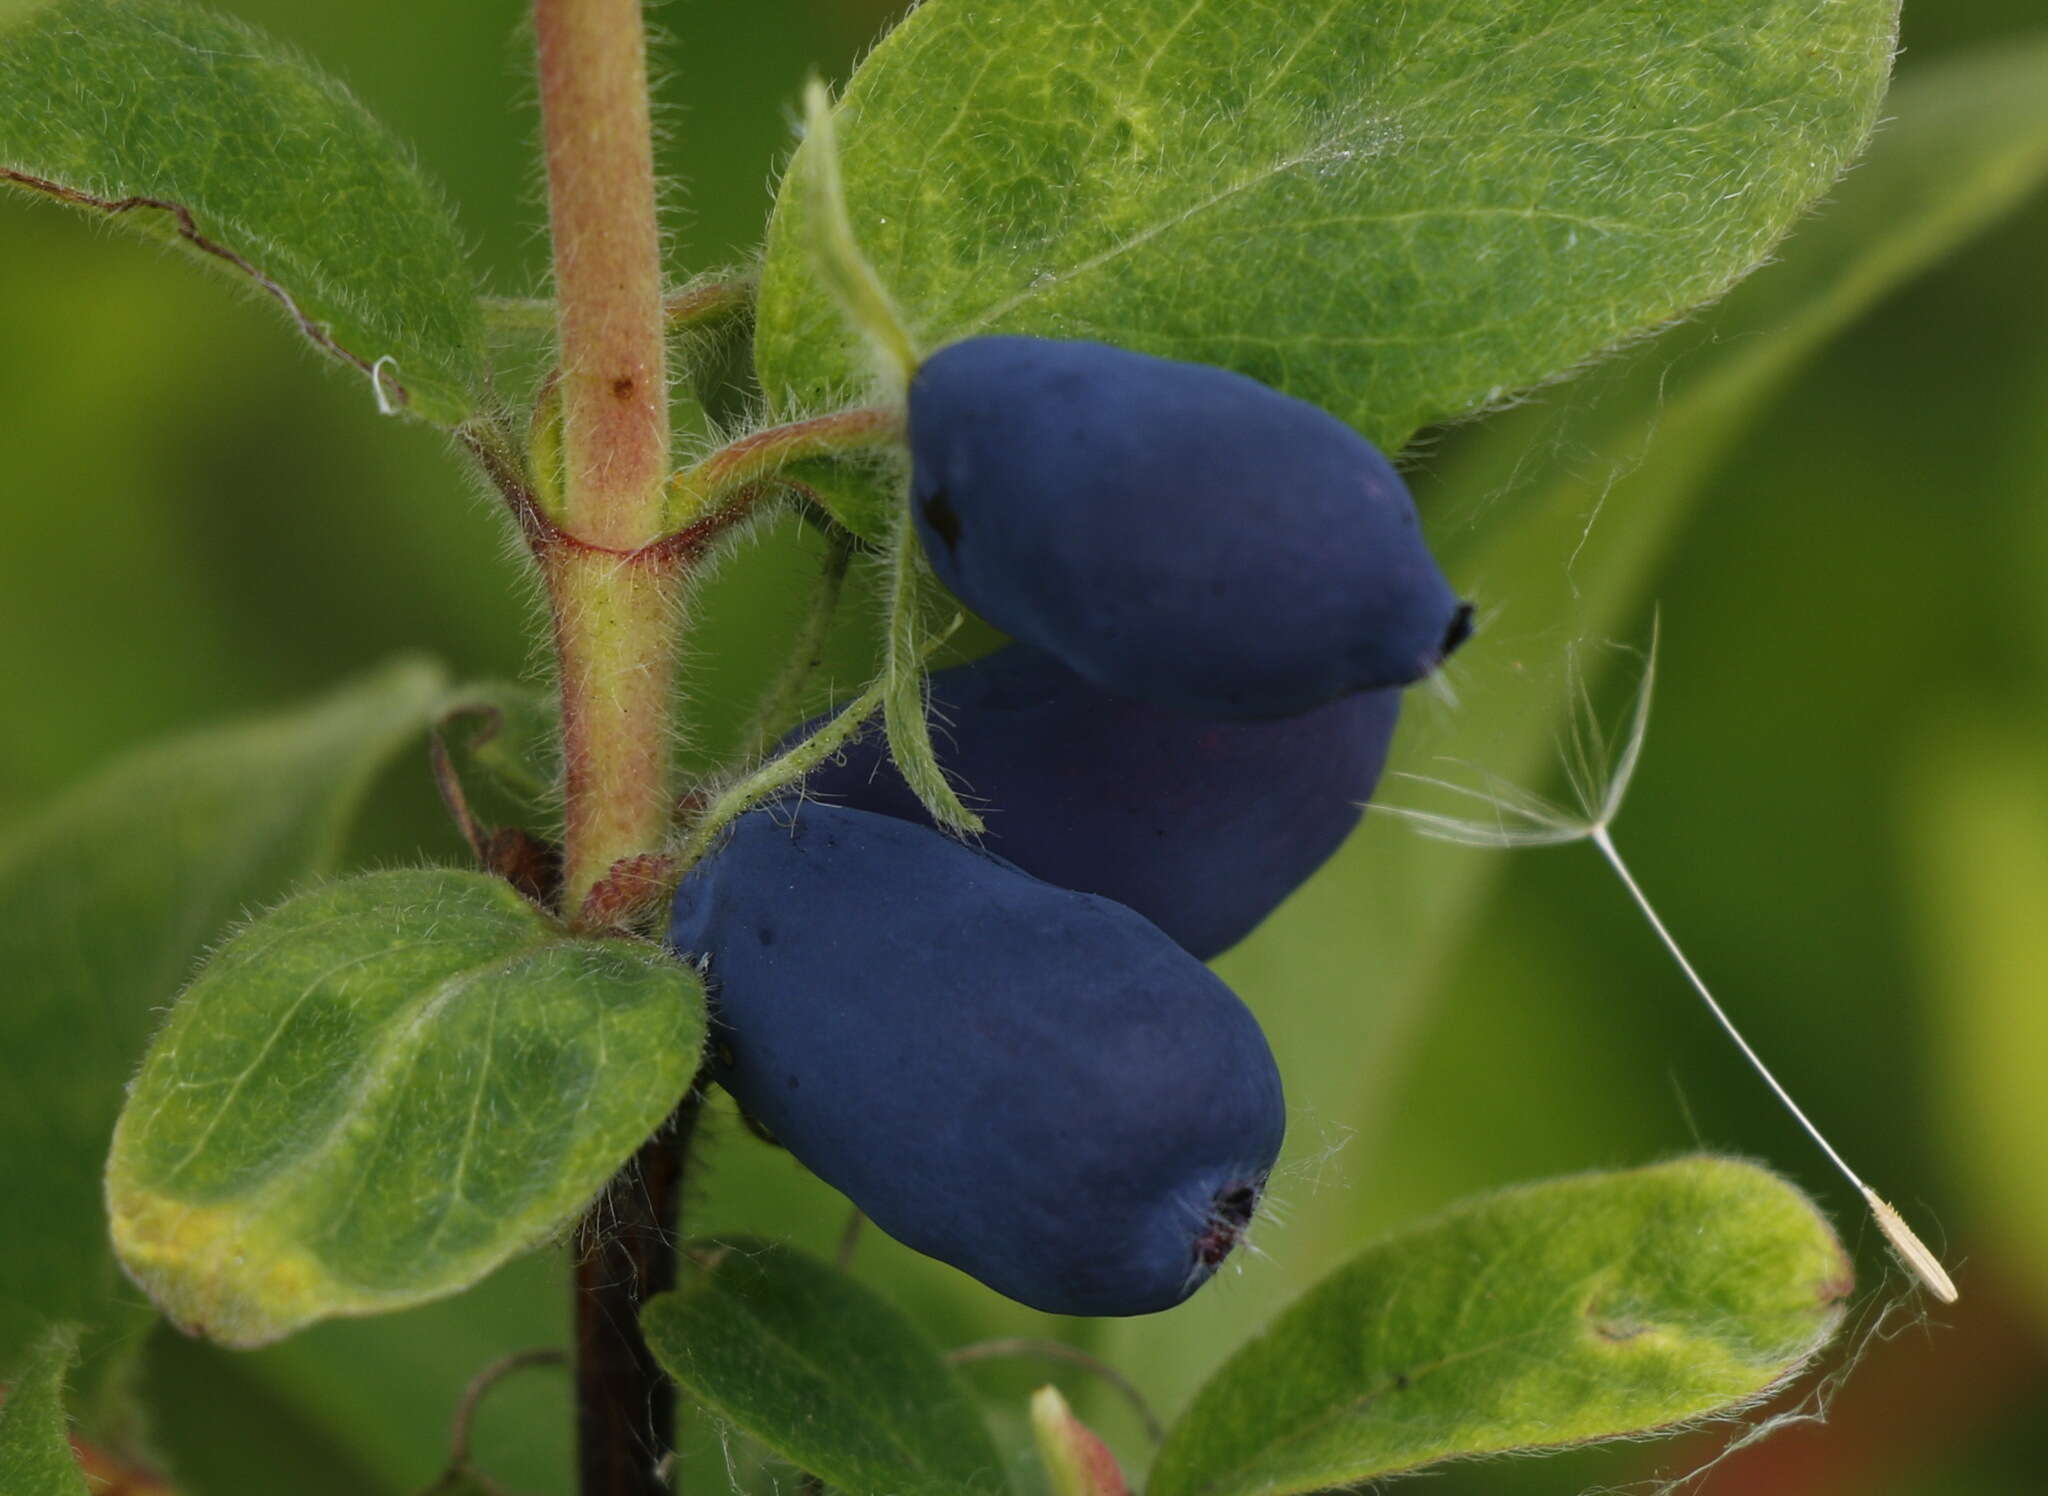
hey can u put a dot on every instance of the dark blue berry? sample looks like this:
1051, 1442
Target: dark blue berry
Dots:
1202, 826
1172, 531
1031, 1084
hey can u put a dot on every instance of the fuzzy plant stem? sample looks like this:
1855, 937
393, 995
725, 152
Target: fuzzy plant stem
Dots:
612, 599
612, 594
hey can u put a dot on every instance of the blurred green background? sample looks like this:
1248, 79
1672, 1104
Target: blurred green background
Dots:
1843, 810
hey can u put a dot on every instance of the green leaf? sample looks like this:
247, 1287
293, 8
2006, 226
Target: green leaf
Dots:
195, 128
821, 1370
1401, 213
35, 1439
381, 1090
1554, 1314
111, 895
1968, 144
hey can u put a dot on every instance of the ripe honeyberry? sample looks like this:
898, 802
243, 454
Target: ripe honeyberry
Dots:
1172, 531
1031, 1084
1201, 826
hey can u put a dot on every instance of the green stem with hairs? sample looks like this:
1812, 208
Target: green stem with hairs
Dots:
903, 687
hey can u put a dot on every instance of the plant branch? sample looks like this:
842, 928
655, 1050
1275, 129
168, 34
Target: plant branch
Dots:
762, 455
778, 773
613, 618
607, 253
708, 299
480, 1387
613, 586
613, 601
625, 1254
789, 766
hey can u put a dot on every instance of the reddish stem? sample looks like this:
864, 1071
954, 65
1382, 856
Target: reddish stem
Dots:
707, 301
761, 455
614, 622
613, 593
607, 249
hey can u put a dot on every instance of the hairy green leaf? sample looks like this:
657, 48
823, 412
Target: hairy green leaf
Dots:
821, 1370
378, 1092
35, 1440
111, 895
195, 128
1557, 1313
1399, 212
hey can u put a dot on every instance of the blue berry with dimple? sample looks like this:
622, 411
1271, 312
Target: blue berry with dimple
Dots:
1202, 826
1171, 531
1031, 1084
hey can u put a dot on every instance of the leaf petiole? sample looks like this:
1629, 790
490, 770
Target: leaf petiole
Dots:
704, 485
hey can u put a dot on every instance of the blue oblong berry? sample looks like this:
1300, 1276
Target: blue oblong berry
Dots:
1202, 826
1172, 531
1031, 1084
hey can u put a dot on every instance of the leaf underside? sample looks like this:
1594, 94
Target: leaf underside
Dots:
1557, 1313
1399, 213
194, 128
821, 1370
381, 1090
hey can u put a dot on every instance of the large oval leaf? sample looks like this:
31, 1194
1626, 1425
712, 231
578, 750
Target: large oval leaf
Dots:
111, 895
1398, 212
380, 1091
821, 1370
1558, 1313
196, 128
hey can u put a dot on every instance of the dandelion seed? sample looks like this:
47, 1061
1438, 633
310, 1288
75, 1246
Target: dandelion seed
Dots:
1599, 782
